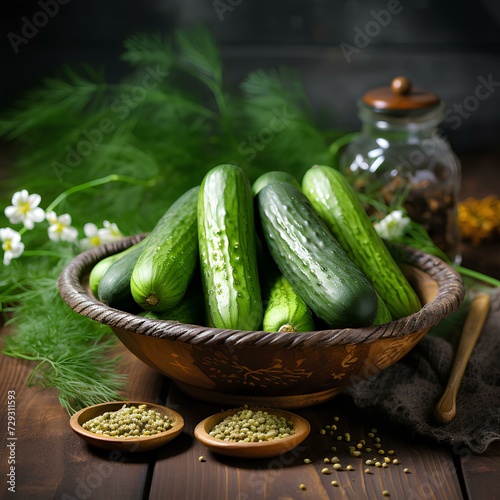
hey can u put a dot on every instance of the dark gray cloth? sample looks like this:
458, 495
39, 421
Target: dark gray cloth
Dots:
408, 391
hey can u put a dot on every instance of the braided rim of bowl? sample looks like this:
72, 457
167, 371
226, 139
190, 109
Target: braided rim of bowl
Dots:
448, 299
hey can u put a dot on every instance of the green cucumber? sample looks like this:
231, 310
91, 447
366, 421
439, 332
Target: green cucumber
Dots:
286, 311
273, 176
99, 269
167, 264
189, 310
114, 286
228, 256
338, 205
312, 260
383, 314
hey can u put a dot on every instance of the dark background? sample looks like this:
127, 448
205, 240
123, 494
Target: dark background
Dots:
442, 45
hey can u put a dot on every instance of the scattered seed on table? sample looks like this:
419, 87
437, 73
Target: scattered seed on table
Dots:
302, 486
369, 462
359, 446
368, 471
395, 461
326, 460
349, 467
374, 430
337, 466
384, 465
370, 435
387, 460
335, 483
322, 431
334, 460
368, 450
391, 452
406, 471
386, 493
325, 471
378, 464
339, 438
307, 460
336, 419
201, 459
333, 448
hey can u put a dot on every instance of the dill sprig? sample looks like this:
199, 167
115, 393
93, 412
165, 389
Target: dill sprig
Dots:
72, 354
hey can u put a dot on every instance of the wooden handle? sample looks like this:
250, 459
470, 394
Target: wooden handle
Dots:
445, 409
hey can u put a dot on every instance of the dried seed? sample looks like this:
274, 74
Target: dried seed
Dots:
326, 460
384, 465
391, 452
302, 486
325, 471
369, 462
395, 461
368, 450
201, 459
335, 483
406, 471
335, 460
387, 460
307, 460
368, 471
337, 466
349, 467
386, 493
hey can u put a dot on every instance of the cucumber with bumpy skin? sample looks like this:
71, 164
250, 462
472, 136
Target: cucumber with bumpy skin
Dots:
228, 256
189, 310
99, 269
167, 264
336, 201
286, 311
114, 286
312, 260
273, 176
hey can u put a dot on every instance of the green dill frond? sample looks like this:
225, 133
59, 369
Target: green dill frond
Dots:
142, 49
199, 54
279, 122
58, 100
72, 353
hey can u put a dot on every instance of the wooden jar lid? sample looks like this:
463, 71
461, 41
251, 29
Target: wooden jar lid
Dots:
400, 96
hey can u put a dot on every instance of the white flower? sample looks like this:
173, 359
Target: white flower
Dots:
60, 228
96, 237
92, 236
11, 244
109, 232
25, 209
392, 226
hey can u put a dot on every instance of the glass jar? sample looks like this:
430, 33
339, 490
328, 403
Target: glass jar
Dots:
401, 155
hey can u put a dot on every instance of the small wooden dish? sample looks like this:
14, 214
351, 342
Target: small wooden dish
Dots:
263, 449
129, 445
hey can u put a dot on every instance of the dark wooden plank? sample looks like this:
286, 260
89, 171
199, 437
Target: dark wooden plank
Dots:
482, 473
50, 460
179, 474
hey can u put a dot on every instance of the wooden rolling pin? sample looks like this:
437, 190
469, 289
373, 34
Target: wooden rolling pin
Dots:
446, 409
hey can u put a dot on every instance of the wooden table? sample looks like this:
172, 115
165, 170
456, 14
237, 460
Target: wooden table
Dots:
52, 462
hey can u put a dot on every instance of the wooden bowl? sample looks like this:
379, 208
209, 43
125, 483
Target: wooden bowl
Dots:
129, 445
274, 370
263, 449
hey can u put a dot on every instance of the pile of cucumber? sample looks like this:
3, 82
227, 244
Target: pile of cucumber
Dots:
275, 256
